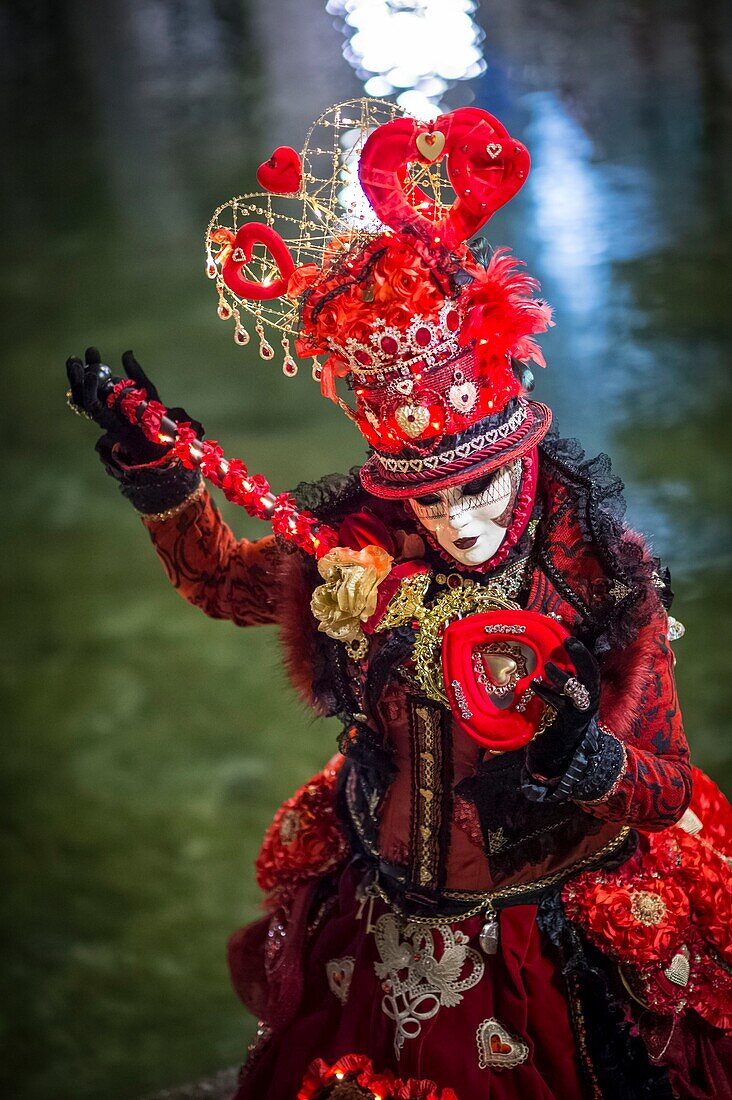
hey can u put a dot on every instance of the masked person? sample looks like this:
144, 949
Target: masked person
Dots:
509, 881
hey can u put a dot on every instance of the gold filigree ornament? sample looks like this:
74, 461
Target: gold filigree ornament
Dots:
407, 603
499, 666
453, 604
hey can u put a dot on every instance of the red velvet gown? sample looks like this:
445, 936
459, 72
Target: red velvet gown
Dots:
335, 966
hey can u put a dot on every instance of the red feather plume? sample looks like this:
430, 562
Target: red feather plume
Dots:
502, 316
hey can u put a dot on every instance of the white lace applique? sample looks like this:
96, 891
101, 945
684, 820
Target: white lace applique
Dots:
416, 982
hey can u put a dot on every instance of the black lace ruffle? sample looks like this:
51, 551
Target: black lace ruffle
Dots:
330, 494
591, 773
615, 607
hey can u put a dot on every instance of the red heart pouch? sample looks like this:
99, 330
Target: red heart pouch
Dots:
488, 662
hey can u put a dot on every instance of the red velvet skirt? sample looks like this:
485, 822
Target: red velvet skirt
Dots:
424, 1003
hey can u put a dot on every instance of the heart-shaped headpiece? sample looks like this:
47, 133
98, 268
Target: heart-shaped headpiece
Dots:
428, 331
485, 166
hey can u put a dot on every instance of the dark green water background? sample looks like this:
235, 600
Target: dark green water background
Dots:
145, 747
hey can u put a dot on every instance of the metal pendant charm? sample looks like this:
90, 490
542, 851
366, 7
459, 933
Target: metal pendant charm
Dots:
488, 938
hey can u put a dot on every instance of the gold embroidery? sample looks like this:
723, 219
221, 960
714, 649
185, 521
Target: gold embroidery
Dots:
428, 763
406, 603
428, 643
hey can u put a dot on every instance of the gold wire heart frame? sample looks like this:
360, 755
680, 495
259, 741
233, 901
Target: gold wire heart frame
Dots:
329, 205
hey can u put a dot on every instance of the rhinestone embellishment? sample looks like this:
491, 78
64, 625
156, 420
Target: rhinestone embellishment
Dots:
412, 419
647, 908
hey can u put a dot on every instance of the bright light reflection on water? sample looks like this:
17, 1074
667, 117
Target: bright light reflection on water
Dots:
414, 49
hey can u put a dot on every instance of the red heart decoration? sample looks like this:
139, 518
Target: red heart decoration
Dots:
500, 728
498, 1046
282, 173
485, 166
241, 253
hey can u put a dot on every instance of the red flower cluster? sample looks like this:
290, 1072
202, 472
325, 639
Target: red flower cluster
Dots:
664, 915
353, 1076
359, 309
305, 838
389, 281
386, 281
711, 807
643, 918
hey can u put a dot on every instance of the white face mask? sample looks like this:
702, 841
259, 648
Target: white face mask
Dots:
470, 520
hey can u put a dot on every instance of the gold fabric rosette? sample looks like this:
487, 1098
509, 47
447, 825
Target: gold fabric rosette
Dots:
348, 597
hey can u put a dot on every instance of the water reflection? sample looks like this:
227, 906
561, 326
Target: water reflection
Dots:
587, 217
145, 746
412, 49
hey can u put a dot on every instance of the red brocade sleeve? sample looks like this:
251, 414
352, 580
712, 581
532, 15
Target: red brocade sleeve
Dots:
652, 786
228, 578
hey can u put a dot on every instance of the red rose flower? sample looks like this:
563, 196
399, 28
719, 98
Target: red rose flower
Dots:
305, 838
641, 921
302, 279
707, 878
710, 994
713, 810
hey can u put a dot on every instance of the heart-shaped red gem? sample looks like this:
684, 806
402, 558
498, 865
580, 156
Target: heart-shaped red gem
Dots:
282, 173
498, 1046
482, 177
241, 253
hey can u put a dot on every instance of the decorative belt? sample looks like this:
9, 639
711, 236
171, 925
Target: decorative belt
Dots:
490, 901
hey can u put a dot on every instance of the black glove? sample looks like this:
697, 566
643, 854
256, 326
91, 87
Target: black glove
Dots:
90, 383
124, 445
550, 754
